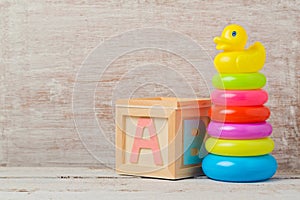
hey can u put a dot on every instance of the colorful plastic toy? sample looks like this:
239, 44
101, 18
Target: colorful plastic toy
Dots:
239, 131
239, 114
235, 58
239, 145
250, 81
239, 97
226, 147
239, 169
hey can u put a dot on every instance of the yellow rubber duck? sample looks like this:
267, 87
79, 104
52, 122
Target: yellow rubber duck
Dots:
235, 58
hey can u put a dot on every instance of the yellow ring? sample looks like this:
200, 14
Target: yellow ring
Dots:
239, 147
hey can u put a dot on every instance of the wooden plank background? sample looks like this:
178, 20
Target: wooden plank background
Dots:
28, 183
43, 43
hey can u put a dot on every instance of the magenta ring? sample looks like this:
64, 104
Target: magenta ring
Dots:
239, 97
239, 131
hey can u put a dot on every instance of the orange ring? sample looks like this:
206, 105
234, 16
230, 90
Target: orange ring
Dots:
236, 114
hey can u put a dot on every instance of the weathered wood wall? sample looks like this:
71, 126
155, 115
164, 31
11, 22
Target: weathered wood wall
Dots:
43, 43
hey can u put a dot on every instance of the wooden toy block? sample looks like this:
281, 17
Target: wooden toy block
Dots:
161, 137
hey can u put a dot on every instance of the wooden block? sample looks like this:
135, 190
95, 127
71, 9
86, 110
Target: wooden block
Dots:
194, 132
194, 151
160, 137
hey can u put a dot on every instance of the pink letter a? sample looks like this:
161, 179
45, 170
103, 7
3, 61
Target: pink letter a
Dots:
140, 143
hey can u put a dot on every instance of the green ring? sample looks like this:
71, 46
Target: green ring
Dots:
246, 81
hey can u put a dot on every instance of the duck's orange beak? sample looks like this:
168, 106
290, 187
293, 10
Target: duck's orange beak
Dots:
222, 43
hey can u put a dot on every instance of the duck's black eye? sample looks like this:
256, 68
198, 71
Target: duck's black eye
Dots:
233, 33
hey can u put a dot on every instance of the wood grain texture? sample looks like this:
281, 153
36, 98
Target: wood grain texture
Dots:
82, 183
43, 43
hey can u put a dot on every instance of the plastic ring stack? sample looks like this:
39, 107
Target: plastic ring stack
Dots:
239, 147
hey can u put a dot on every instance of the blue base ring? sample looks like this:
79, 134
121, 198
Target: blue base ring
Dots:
239, 169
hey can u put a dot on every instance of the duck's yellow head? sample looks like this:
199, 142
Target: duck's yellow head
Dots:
233, 38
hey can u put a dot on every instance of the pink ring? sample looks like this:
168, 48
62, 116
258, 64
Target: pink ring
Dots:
239, 97
239, 131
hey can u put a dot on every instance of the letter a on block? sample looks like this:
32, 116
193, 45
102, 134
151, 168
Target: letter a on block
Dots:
140, 143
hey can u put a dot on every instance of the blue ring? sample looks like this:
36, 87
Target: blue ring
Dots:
239, 169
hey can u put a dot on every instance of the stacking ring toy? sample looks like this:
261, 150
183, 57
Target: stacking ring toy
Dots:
248, 81
235, 114
239, 169
239, 131
239, 97
254, 147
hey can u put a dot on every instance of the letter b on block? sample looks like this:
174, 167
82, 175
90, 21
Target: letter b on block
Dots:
141, 143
